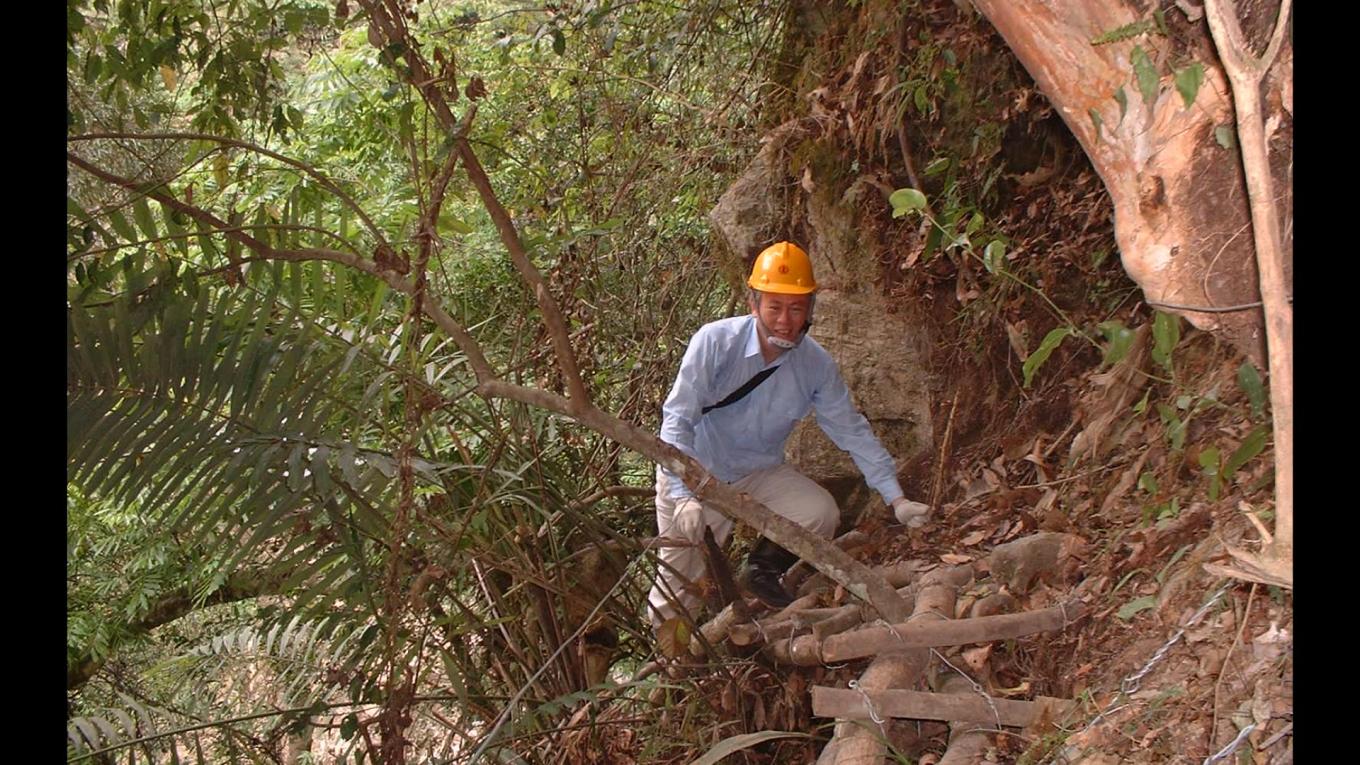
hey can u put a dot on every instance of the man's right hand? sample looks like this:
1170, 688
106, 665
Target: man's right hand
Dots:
913, 514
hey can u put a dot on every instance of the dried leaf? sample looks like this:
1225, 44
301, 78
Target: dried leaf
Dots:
729, 698
977, 657
672, 637
974, 538
954, 559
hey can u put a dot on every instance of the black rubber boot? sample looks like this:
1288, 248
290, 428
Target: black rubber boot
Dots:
764, 566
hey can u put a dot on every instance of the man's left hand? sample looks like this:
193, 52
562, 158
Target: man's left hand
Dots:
913, 514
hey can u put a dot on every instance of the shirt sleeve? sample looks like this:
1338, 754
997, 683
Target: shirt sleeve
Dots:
684, 406
849, 430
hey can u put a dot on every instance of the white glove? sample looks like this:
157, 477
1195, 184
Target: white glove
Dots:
913, 514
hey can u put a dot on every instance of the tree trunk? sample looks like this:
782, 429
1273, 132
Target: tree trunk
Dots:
1181, 208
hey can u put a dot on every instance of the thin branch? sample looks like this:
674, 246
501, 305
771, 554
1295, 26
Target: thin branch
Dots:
552, 316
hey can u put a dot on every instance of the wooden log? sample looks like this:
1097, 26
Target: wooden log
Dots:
771, 629
969, 707
835, 624
996, 603
859, 744
716, 629
897, 574
849, 542
873, 641
967, 743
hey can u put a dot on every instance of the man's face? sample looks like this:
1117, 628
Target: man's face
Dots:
782, 315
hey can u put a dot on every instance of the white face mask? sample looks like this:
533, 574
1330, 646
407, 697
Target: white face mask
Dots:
781, 343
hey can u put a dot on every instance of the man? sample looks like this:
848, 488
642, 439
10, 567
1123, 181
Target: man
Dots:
742, 386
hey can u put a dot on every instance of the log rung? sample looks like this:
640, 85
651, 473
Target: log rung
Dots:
846, 704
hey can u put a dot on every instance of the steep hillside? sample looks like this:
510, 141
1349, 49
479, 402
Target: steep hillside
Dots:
994, 339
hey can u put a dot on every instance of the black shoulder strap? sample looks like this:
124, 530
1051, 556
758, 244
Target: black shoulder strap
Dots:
741, 392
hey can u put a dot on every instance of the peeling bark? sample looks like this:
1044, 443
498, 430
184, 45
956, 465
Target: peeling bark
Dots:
1181, 208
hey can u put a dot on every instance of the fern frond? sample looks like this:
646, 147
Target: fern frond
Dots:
1125, 32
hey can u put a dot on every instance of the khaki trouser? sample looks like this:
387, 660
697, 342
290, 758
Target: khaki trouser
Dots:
782, 489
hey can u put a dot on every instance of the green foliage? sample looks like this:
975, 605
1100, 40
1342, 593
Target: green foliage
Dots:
733, 744
1125, 32
1252, 445
1166, 334
1119, 339
1249, 380
1188, 80
1046, 347
904, 201
1136, 606
1145, 72
1209, 466
228, 415
994, 256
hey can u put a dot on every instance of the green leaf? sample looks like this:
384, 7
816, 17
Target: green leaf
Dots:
1146, 75
904, 201
1119, 338
1249, 380
1135, 606
1209, 465
122, 227
1045, 349
451, 223
559, 43
1188, 81
1125, 32
349, 726
1097, 120
1141, 406
1122, 99
1254, 443
994, 255
379, 294
1166, 331
1148, 483
975, 224
1175, 427
744, 741
1161, 575
938, 166
1225, 136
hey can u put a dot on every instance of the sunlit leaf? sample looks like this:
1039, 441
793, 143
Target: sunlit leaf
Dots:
904, 201
1133, 607
744, 741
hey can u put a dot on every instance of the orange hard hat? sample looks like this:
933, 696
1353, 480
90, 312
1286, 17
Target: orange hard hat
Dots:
783, 267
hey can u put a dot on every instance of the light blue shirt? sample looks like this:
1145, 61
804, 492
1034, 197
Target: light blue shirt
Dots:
749, 435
